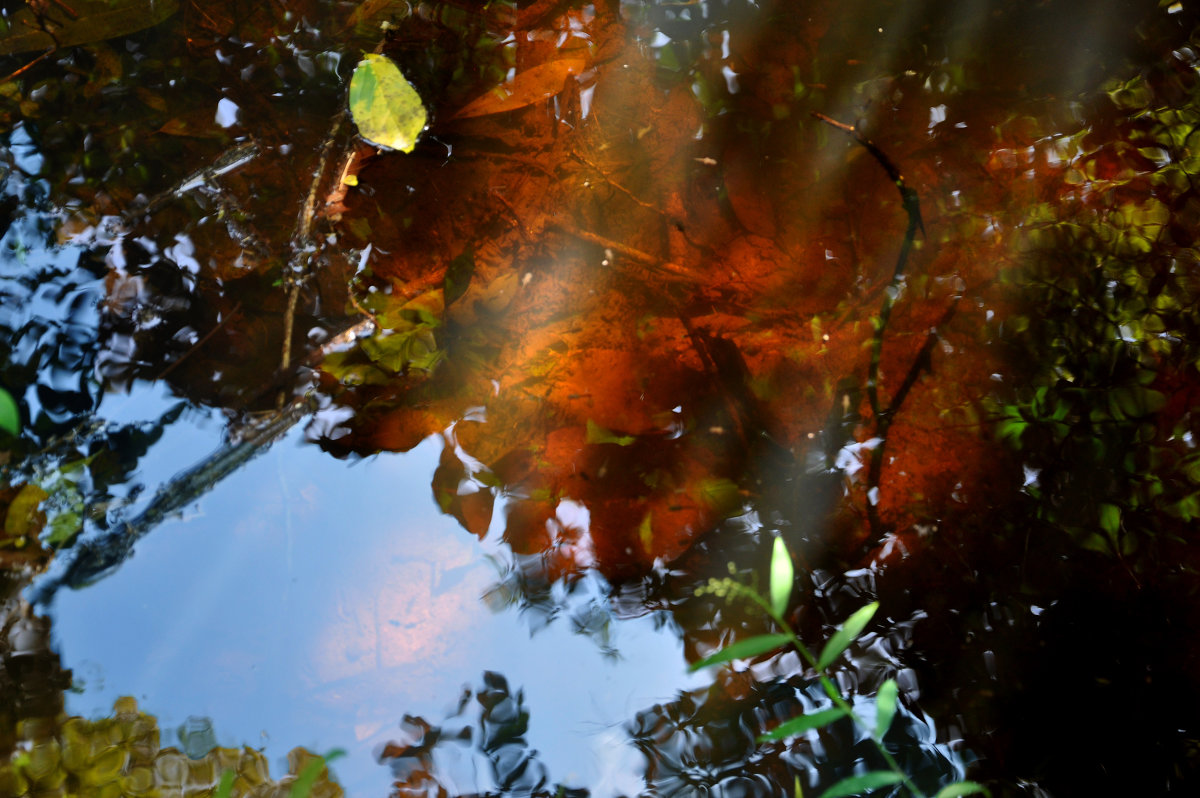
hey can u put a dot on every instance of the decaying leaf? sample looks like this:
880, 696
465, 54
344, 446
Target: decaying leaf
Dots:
24, 518
528, 87
93, 21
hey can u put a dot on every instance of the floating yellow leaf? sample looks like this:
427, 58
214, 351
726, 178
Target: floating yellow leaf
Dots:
385, 106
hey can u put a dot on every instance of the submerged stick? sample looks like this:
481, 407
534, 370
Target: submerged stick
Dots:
302, 246
92, 559
884, 415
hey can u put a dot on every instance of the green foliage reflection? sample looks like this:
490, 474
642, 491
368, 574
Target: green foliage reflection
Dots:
1106, 330
120, 756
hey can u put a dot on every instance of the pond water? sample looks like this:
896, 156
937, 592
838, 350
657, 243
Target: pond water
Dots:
450, 464
285, 621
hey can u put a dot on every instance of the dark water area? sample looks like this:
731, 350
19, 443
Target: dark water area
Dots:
446, 465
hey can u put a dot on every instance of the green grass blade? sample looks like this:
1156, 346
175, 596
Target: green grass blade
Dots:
802, 724
782, 576
864, 783
10, 416
885, 707
225, 788
962, 788
743, 649
842, 639
302, 786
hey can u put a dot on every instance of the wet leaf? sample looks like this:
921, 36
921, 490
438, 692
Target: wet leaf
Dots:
458, 276
401, 351
864, 783
842, 639
528, 87
368, 12
348, 368
803, 723
225, 788
384, 105
885, 707
24, 519
598, 434
782, 576
302, 787
497, 295
744, 649
63, 528
92, 21
646, 532
10, 414
1110, 518
961, 788
721, 495
66, 506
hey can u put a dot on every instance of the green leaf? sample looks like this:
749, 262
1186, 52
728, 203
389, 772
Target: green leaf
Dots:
782, 576
302, 786
885, 707
458, 275
10, 414
1110, 518
25, 517
598, 434
721, 495
385, 106
348, 368
400, 352
961, 788
842, 639
803, 723
225, 788
864, 783
743, 649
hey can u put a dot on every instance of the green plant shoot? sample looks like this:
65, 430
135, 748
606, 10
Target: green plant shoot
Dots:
843, 637
10, 415
302, 786
744, 649
782, 576
885, 707
886, 700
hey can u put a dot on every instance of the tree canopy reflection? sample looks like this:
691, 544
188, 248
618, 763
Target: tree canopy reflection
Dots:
645, 314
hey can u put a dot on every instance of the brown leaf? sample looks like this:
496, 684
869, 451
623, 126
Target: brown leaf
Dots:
528, 87
89, 21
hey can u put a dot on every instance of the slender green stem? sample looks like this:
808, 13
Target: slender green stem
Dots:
831, 689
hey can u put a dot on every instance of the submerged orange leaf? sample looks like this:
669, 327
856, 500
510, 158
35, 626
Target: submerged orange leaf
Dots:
528, 87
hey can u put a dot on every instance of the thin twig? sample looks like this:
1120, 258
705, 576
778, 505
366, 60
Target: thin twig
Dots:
302, 245
358, 306
289, 323
883, 416
663, 269
224, 319
22, 70
883, 423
